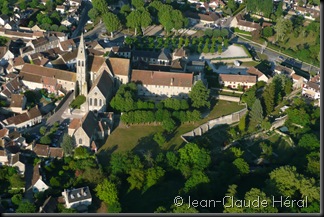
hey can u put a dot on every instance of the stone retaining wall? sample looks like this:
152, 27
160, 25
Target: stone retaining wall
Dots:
228, 119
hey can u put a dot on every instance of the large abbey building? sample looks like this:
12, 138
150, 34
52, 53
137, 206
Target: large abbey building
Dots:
98, 78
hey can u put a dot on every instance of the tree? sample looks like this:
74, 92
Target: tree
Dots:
138, 3
26, 207
159, 138
313, 164
220, 49
49, 5
192, 158
279, 10
46, 140
107, 192
267, 32
224, 33
242, 166
34, 3
242, 124
42, 130
5, 9
146, 19
232, 5
134, 20
256, 114
153, 175
136, 179
257, 193
269, 98
249, 96
22, 5
168, 124
93, 13
16, 199
67, 144
112, 22
81, 152
206, 48
125, 9
256, 34
209, 32
197, 177
282, 27
216, 33
228, 207
309, 142
101, 6
199, 95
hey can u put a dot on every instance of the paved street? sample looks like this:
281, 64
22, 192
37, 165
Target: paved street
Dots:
57, 116
83, 21
273, 55
29, 169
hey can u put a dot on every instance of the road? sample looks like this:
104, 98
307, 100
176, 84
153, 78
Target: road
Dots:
57, 116
273, 55
83, 20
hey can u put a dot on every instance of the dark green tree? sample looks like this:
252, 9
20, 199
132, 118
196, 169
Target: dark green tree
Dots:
199, 95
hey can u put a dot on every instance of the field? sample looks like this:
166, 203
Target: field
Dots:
140, 137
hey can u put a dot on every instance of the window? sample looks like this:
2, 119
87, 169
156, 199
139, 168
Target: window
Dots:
100, 102
90, 101
82, 63
79, 63
95, 102
80, 141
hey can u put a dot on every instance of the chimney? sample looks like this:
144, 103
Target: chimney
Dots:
172, 79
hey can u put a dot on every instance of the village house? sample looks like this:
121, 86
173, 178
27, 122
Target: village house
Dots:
121, 51
18, 103
239, 22
3, 157
260, 76
312, 88
40, 45
209, 18
3, 19
121, 68
179, 53
5, 55
151, 57
307, 12
85, 129
38, 184
49, 206
27, 119
16, 162
45, 151
61, 9
33, 76
236, 81
13, 86
77, 197
67, 45
13, 34
4, 133
159, 83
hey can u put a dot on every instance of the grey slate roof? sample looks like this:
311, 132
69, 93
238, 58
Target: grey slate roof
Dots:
78, 194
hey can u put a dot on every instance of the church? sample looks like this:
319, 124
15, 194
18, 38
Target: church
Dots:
99, 78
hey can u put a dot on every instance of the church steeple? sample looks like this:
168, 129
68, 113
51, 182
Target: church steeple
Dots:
82, 74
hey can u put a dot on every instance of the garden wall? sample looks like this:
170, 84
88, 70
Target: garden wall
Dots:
228, 119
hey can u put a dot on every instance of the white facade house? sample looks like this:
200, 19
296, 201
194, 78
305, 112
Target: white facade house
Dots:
236, 81
76, 197
38, 185
158, 83
5, 55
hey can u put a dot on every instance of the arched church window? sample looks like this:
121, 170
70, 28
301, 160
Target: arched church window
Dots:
90, 101
82, 63
100, 102
95, 102
79, 63
80, 141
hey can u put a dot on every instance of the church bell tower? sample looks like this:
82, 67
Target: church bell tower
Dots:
82, 75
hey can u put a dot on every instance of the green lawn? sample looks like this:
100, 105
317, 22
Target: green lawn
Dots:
140, 137
250, 64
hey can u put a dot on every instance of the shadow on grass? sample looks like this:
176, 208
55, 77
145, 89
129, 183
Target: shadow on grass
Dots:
147, 144
161, 194
104, 155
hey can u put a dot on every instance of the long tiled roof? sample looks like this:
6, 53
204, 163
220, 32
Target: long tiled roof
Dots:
147, 77
238, 78
49, 72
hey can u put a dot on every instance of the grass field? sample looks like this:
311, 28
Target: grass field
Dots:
140, 137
